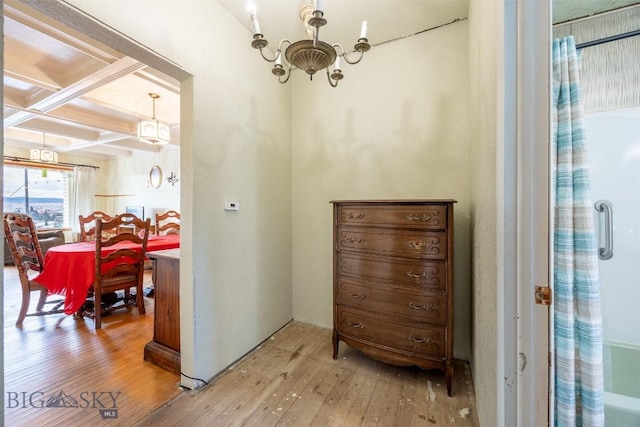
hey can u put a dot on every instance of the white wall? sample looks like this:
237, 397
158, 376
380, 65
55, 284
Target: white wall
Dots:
483, 42
396, 127
365, 139
235, 143
125, 182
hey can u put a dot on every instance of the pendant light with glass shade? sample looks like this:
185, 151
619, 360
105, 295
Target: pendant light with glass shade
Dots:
152, 131
43, 154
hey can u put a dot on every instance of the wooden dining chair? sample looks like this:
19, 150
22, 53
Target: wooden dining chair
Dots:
118, 270
168, 223
22, 239
88, 225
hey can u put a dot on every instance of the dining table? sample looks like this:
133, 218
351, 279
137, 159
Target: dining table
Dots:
69, 270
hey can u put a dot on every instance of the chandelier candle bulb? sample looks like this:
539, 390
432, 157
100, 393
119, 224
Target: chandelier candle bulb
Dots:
318, 5
279, 59
336, 65
363, 30
256, 25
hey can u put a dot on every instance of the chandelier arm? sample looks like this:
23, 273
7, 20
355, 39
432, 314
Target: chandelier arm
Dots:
331, 81
268, 59
281, 49
339, 46
275, 55
277, 52
361, 47
345, 54
288, 75
350, 61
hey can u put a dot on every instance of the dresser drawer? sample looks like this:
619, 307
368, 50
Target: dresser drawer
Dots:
432, 217
414, 304
414, 338
426, 275
401, 243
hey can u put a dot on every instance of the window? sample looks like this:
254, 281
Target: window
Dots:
41, 193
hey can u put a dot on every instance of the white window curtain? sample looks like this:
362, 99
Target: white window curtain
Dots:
81, 200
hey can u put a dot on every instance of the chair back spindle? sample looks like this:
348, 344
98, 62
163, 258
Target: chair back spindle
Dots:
22, 240
119, 268
88, 225
168, 223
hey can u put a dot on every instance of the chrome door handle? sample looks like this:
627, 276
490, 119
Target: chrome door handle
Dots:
606, 207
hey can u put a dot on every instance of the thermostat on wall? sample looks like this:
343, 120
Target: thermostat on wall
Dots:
231, 205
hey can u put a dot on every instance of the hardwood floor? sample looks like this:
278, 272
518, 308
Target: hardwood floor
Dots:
292, 380
57, 354
289, 380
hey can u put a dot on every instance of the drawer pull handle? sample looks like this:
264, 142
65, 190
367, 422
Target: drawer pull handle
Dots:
355, 325
355, 215
422, 275
420, 340
359, 296
354, 240
418, 244
424, 217
420, 307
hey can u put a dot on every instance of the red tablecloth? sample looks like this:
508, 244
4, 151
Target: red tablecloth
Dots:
69, 270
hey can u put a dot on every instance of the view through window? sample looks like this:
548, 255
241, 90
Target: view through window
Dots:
41, 193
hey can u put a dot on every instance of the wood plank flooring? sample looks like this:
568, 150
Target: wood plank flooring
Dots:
292, 380
288, 380
57, 354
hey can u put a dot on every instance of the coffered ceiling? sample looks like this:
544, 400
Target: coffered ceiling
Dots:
85, 99
76, 95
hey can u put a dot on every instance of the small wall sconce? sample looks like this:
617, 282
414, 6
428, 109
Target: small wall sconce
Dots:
172, 178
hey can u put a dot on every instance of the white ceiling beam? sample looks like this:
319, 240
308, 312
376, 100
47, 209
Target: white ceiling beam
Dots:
58, 128
105, 139
81, 118
103, 151
158, 78
108, 74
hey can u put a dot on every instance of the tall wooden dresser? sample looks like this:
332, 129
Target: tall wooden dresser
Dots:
393, 281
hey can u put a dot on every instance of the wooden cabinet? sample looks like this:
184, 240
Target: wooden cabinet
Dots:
393, 281
164, 349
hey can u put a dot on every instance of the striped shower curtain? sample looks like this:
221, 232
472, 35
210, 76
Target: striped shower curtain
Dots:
577, 320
